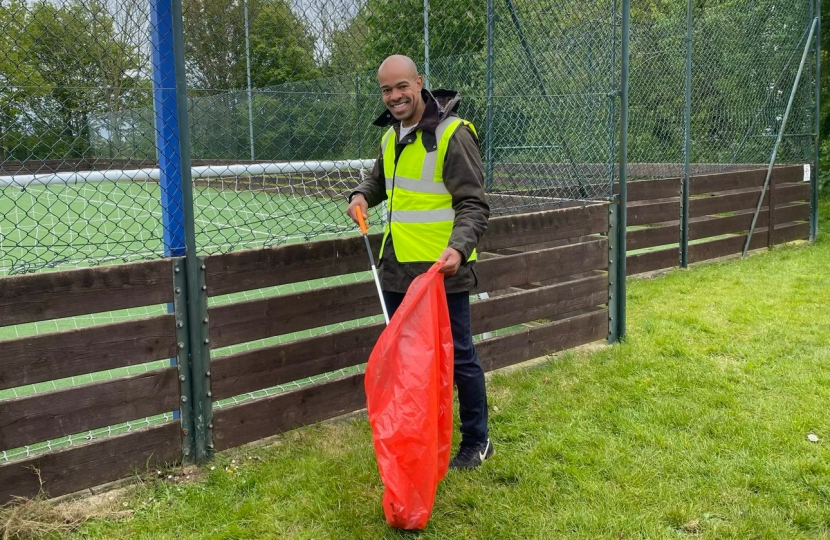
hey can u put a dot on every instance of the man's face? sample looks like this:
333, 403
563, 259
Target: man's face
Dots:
401, 93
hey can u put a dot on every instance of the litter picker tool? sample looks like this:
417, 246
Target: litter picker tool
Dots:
364, 230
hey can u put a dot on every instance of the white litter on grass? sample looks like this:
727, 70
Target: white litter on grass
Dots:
812, 437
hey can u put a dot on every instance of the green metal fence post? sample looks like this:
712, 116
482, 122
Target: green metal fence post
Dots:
613, 275
623, 196
196, 288
613, 94
687, 143
201, 374
613, 208
617, 209
817, 116
426, 44
779, 137
488, 130
183, 356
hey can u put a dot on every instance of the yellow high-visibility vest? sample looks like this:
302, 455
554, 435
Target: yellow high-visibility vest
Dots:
418, 203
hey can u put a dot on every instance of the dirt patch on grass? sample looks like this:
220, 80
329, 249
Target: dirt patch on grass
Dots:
34, 518
25, 518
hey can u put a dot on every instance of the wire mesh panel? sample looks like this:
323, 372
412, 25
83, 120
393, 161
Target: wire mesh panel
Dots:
656, 124
744, 59
89, 118
282, 94
82, 85
74, 86
555, 85
294, 85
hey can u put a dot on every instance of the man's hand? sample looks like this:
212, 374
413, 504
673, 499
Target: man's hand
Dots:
358, 200
451, 259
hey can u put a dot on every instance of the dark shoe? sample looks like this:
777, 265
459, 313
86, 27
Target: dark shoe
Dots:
472, 456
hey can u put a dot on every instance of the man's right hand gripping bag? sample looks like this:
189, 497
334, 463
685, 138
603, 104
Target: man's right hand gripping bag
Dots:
409, 399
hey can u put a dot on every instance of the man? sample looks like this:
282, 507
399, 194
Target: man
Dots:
429, 170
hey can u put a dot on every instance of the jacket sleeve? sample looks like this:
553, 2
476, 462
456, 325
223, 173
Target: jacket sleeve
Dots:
464, 178
373, 187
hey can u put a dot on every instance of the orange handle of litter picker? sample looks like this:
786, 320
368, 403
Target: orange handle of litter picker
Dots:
363, 228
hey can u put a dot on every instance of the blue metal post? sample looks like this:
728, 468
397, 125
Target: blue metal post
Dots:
167, 127
178, 219
167, 134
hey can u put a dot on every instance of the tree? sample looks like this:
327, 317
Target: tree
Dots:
281, 45
384, 27
61, 65
125, 70
16, 74
346, 47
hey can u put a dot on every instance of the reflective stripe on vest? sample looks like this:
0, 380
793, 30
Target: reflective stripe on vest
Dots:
420, 207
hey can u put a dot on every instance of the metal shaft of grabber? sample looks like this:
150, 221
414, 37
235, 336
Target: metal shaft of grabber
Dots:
364, 230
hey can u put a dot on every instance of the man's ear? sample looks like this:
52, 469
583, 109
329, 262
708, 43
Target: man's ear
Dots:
419, 82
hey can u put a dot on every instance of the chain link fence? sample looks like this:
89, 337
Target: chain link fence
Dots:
744, 58
282, 95
281, 99
280, 103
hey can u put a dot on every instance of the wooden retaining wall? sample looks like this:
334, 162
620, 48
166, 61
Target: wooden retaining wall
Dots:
78, 409
553, 272
721, 207
546, 274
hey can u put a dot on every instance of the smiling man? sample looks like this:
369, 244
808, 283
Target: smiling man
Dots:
430, 173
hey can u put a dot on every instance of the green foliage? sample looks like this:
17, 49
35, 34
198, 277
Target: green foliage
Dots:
281, 45
348, 47
63, 64
59, 59
382, 28
14, 73
744, 59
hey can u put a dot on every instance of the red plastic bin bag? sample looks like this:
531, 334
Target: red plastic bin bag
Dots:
409, 400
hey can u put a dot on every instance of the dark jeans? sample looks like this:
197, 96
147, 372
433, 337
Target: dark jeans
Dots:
468, 374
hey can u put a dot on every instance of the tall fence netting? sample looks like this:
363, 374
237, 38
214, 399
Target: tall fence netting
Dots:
280, 103
745, 56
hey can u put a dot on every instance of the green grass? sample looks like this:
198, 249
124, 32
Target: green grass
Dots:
696, 426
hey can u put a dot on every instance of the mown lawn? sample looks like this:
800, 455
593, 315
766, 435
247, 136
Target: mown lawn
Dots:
696, 426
